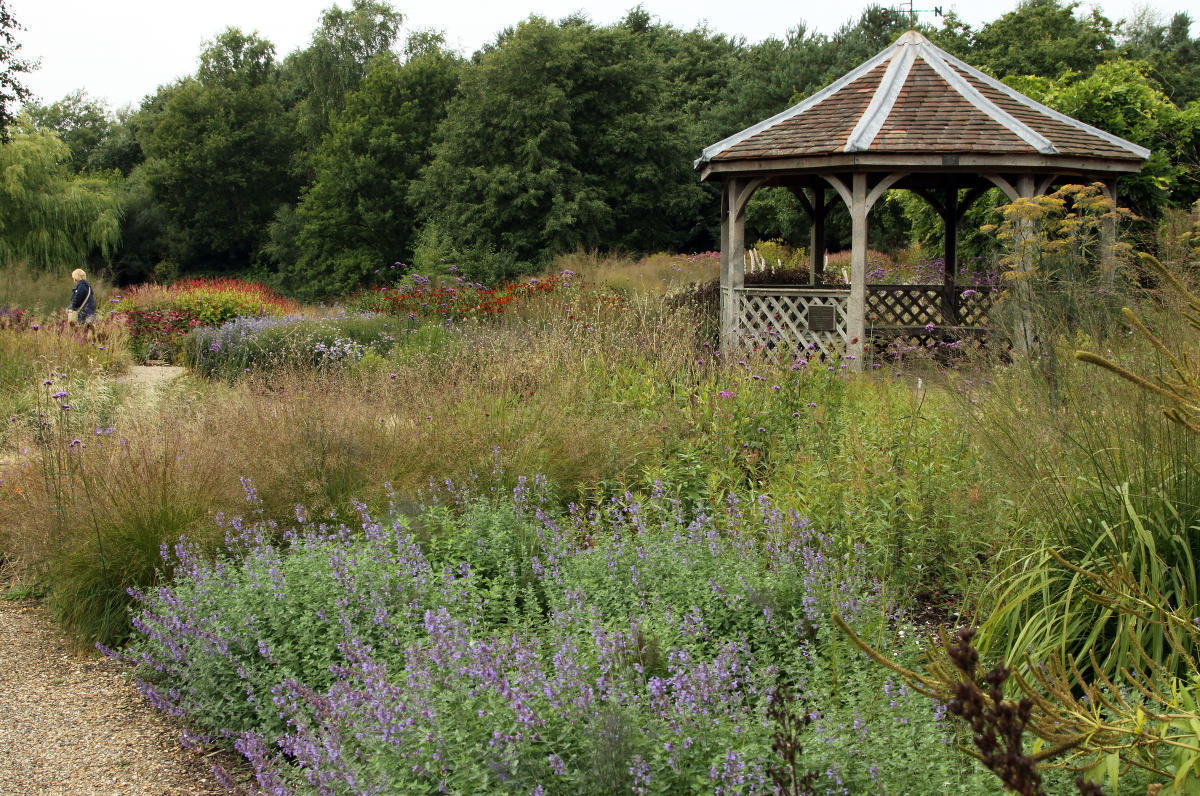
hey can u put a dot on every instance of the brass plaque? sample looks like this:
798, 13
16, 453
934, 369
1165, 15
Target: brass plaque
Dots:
822, 319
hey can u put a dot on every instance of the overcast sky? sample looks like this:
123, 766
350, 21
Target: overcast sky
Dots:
121, 50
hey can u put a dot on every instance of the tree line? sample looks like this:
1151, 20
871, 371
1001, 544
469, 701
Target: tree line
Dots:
319, 169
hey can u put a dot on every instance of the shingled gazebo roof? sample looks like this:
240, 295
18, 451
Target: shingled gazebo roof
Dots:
914, 103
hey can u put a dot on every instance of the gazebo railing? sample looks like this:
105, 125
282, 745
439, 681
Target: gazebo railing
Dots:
816, 317
808, 318
908, 310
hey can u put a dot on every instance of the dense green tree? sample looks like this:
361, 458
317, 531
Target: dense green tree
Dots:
559, 139
81, 122
1170, 51
773, 75
356, 218
875, 29
49, 217
337, 58
1044, 38
11, 68
217, 154
119, 149
144, 228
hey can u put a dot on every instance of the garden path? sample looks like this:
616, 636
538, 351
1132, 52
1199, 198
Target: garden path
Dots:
73, 723
150, 375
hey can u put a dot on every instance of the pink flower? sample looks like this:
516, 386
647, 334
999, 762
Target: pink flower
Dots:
726, 394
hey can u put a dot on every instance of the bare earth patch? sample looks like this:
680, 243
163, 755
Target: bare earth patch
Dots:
75, 724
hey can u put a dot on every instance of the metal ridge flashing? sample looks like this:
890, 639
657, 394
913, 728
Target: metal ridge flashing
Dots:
712, 151
877, 112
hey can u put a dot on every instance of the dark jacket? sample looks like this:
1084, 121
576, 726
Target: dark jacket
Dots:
84, 300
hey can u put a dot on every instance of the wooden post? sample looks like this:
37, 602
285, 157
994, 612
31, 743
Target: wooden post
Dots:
733, 255
856, 311
1108, 236
816, 235
950, 217
1026, 337
726, 292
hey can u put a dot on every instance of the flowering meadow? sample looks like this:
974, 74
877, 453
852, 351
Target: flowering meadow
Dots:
545, 537
250, 344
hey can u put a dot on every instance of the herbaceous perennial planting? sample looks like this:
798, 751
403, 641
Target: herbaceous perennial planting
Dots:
288, 341
499, 645
160, 317
420, 298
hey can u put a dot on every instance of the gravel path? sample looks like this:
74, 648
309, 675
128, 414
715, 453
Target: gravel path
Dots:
74, 724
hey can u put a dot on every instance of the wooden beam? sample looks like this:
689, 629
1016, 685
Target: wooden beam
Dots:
881, 186
1026, 336
842, 189
746, 189
798, 192
816, 235
972, 196
1003, 184
966, 163
726, 266
950, 252
931, 199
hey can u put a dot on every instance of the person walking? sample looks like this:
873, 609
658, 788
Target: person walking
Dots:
82, 309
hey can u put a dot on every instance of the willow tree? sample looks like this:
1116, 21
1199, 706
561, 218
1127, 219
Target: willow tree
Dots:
49, 217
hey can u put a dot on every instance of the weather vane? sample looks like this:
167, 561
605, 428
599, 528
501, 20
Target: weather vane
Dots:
912, 12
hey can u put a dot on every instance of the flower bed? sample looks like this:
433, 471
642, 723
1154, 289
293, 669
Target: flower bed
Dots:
159, 318
250, 343
517, 649
421, 299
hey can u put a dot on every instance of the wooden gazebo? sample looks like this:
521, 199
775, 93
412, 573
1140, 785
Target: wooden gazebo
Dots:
913, 117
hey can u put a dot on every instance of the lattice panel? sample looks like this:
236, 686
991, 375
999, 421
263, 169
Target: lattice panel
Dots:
766, 320
975, 306
906, 305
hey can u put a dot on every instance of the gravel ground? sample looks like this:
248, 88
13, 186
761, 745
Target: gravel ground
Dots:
74, 723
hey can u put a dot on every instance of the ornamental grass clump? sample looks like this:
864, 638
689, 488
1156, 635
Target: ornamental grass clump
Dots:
30, 347
44, 294
1092, 613
86, 509
1105, 481
653, 274
501, 644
